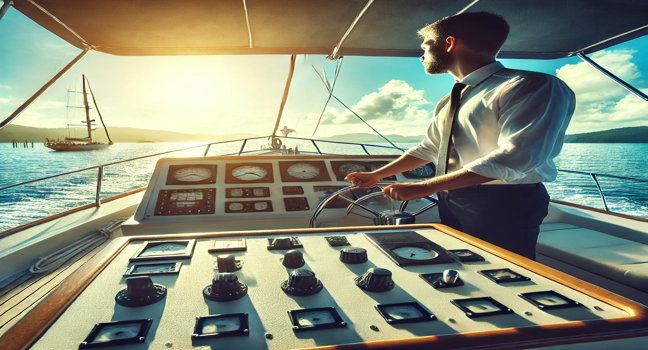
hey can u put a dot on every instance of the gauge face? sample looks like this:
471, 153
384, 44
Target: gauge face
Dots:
261, 206
235, 206
402, 312
314, 318
414, 253
480, 306
249, 173
422, 171
167, 248
259, 192
351, 168
236, 192
192, 174
303, 171
117, 332
221, 324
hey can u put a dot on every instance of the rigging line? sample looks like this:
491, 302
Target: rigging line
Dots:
338, 66
247, 22
293, 59
356, 114
83, 41
334, 54
98, 112
29, 101
467, 7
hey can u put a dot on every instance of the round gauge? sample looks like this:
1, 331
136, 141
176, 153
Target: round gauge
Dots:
117, 332
166, 248
259, 192
236, 192
403, 312
414, 253
351, 168
192, 174
249, 172
422, 171
314, 318
261, 206
221, 324
236, 206
303, 171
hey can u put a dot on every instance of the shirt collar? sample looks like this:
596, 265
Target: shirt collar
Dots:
481, 74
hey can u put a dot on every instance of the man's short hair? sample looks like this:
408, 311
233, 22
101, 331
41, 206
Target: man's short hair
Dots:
481, 31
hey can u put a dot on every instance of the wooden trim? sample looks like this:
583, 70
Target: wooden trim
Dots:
24, 333
67, 212
580, 206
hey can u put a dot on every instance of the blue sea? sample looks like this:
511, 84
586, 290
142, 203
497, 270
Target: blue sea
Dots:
37, 200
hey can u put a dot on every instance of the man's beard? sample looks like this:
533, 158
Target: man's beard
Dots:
440, 61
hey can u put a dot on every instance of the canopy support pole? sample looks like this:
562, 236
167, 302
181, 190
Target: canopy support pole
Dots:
5, 7
293, 58
334, 54
630, 88
29, 101
247, 22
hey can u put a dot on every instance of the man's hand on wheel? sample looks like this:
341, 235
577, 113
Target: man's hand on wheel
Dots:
362, 179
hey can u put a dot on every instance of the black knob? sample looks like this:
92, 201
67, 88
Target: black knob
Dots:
227, 263
282, 243
293, 259
301, 282
450, 277
140, 291
353, 255
225, 287
375, 279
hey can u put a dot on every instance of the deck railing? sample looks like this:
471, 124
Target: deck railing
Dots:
99, 169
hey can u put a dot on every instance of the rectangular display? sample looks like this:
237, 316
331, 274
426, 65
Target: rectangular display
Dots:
245, 173
186, 202
191, 174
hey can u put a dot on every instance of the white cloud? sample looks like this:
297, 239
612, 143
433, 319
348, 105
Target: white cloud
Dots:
395, 107
600, 102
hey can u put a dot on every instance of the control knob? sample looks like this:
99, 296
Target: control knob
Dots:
225, 286
293, 259
450, 277
227, 263
140, 291
301, 282
376, 279
353, 255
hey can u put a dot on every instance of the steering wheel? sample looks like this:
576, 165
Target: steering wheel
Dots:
385, 217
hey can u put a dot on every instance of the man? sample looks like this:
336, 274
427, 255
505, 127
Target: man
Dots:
493, 139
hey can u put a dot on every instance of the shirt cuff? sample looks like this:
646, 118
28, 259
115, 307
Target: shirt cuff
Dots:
486, 167
421, 153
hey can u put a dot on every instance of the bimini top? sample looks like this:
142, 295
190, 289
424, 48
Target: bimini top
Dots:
539, 28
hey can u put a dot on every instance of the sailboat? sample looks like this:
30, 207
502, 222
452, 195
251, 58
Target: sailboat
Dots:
84, 143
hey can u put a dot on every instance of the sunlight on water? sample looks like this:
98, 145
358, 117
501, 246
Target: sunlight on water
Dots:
30, 202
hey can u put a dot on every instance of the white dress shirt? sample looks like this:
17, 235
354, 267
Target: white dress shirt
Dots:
510, 125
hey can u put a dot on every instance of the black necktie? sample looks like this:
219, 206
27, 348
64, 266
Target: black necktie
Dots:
447, 124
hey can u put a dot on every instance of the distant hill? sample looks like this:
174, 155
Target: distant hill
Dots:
637, 134
118, 134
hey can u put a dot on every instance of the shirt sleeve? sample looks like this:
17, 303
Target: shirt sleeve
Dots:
534, 112
428, 149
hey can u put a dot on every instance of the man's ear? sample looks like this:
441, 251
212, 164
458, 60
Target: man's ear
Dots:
450, 43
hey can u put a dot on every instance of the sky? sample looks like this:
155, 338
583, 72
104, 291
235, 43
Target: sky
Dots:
241, 94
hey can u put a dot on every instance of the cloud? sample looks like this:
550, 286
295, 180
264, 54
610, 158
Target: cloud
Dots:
396, 101
600, 102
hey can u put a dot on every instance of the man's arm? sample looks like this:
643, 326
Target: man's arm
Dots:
413, 190
399, 165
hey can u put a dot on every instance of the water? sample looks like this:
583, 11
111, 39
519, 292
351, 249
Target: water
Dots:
30, 202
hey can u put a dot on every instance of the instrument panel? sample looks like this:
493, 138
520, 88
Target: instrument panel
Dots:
418, 286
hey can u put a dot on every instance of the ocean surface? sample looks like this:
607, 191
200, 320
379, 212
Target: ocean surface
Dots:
21, 205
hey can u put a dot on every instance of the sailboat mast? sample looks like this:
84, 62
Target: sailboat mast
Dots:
87, 109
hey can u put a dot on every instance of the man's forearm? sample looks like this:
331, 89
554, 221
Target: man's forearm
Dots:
401, 164
457, 179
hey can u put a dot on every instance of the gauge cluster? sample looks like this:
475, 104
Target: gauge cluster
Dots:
265, 185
